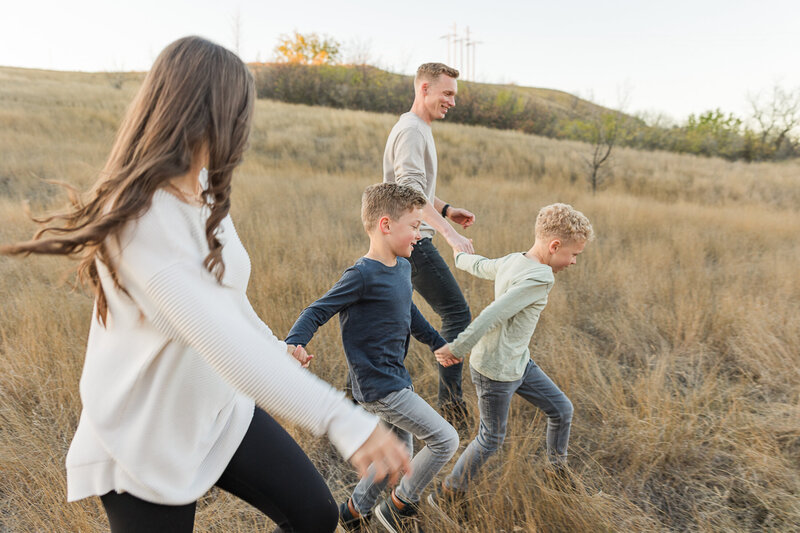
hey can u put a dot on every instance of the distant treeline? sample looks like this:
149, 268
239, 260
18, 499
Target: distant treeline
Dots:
371, 89
549, 113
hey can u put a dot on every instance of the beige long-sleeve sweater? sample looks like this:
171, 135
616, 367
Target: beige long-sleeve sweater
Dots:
410, 159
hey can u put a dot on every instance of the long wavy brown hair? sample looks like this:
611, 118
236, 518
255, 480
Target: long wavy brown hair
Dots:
197, 96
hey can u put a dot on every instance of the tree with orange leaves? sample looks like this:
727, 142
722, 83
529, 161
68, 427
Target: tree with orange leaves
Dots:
307, 49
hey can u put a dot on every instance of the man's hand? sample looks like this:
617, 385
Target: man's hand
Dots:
445, 357
459, 243
384, 454
299, 353
461, 216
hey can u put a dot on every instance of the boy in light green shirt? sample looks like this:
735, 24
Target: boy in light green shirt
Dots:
498, 340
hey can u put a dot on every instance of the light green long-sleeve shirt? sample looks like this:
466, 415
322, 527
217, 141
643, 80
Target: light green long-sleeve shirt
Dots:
498, 339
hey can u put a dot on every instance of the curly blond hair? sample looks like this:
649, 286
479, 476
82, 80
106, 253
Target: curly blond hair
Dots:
562, 221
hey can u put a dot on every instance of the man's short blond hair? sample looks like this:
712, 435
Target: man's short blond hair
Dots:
388, 199
430, 72
562, 221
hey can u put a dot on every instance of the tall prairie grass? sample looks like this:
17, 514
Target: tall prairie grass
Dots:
677, 335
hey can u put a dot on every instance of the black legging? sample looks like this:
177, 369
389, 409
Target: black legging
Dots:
268, 470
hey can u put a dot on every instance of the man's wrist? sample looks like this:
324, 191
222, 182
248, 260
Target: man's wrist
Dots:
449, 233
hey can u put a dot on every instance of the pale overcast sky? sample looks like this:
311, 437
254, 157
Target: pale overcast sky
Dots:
677, 57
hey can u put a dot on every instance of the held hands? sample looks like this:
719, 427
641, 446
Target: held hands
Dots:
299, 353
445, 357
384, 453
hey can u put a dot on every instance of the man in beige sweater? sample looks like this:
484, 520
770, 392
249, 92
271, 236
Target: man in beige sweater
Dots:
500, 362
410, 159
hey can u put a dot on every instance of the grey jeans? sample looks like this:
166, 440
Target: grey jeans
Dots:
494, 399
409, 416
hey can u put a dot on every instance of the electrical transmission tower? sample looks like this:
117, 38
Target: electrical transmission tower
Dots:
461, 52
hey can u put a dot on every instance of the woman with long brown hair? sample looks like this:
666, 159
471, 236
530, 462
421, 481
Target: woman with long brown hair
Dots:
176, 357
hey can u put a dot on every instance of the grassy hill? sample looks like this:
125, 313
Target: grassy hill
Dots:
676, 336
545, 112
369, 88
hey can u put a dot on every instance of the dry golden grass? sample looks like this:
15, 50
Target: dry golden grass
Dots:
676, 336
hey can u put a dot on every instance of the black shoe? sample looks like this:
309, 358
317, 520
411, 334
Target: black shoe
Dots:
456, 414
350, 522
444, 500
398, 520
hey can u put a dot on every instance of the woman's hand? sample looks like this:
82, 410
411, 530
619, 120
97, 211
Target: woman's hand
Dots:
384, 452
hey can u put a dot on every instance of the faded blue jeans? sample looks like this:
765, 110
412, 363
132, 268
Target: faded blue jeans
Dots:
409, 416
494, 399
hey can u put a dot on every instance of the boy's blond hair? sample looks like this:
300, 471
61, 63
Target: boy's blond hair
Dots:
561, 221
431, 72
388, 199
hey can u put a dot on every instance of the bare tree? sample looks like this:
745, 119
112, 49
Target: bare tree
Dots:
604, 132
777, 116
603, 129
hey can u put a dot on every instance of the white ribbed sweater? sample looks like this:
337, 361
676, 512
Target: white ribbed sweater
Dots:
168, 386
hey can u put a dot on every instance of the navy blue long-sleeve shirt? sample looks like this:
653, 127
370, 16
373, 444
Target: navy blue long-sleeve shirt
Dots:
377, 318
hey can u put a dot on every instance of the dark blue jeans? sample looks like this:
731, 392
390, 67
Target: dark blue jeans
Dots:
432, 279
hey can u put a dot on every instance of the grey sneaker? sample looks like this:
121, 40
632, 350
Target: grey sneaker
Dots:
445, 500
350, 522
397, 520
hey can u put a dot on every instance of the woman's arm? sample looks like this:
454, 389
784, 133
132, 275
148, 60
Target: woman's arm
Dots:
186, 303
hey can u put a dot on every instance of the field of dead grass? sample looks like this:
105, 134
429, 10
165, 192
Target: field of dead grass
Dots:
677, 335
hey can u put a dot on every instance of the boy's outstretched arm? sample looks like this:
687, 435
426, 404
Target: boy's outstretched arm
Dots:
346, 291
509, 304
423, 331
477, 265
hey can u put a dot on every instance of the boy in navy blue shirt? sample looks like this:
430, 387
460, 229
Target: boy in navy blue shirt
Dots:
377, 319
